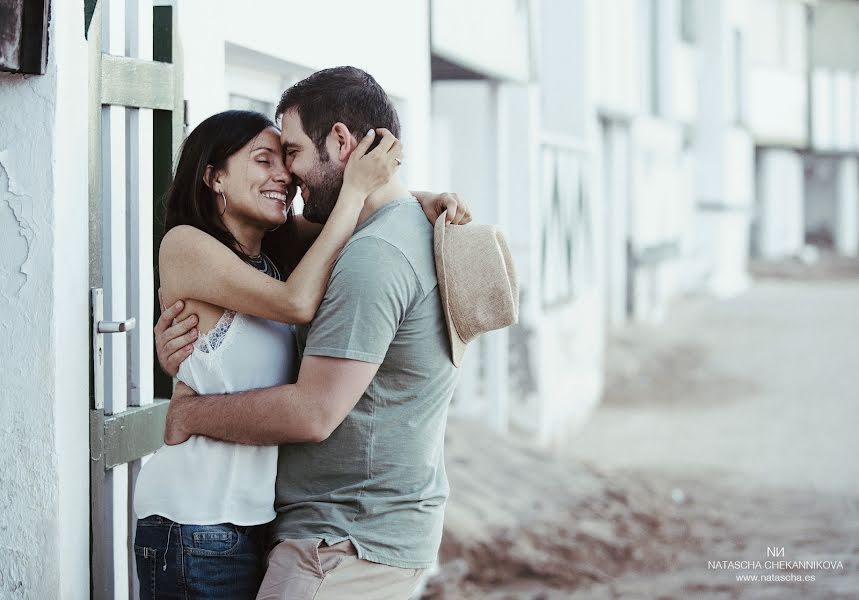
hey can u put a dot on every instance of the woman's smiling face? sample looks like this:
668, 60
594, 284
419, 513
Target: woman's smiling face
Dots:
256, 183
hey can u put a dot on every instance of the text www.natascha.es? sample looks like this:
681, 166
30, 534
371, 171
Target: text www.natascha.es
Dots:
775, 578
775, 565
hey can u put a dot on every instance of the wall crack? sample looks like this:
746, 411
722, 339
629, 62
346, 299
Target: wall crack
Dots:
12, 196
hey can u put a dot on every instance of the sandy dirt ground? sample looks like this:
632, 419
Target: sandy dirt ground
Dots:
728, 430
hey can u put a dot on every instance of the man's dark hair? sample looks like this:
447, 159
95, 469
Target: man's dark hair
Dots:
345, 94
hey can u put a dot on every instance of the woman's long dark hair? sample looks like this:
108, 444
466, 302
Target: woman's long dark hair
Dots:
190, 201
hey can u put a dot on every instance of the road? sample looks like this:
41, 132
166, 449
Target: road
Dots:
727, 437
763, 387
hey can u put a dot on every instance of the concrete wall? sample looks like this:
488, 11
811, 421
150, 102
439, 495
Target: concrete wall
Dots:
44, 468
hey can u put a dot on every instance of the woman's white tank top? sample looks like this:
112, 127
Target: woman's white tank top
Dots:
205, 481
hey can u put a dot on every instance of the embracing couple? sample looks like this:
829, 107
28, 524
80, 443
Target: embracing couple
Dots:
338, 343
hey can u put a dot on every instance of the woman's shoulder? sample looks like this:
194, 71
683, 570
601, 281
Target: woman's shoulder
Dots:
188, 241
185, 235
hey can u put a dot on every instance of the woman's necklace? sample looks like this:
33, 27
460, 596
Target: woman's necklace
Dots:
261, 262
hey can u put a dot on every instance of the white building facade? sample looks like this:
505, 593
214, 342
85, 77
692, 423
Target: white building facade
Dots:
804, 95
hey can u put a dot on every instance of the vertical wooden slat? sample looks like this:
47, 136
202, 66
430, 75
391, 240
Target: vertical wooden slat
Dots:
141, 284
139, 189
140, 276
114, 205
94, 159
101, 563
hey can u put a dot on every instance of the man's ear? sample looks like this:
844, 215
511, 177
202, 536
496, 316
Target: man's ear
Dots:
212, 179
344, 140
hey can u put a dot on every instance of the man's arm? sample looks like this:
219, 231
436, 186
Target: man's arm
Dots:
306, 411
432, 203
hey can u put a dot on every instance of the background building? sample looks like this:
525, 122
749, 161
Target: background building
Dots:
632, 150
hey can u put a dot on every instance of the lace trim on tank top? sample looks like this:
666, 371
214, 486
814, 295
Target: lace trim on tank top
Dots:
212, 340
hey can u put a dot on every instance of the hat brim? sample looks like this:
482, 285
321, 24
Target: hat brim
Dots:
457, 346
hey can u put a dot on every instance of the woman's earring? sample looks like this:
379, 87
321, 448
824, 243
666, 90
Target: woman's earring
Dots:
221, 214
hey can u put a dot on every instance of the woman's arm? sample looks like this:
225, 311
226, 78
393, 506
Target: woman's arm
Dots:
432, 203
196, 266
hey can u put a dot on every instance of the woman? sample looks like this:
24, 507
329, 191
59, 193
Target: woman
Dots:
200, 504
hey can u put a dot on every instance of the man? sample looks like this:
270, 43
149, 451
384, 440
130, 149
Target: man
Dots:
361, 486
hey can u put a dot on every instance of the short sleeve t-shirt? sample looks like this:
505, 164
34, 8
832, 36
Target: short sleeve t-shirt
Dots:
379, 479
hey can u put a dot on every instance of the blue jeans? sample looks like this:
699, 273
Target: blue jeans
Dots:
198, 562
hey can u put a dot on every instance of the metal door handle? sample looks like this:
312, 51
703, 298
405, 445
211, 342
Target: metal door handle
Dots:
116, 326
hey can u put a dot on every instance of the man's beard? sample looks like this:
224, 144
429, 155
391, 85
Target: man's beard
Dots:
324, 184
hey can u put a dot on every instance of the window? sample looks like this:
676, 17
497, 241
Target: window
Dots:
240, 102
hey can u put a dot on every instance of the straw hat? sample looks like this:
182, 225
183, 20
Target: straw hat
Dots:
476, 280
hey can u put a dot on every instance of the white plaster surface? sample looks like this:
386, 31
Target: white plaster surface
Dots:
43, 402
29, 487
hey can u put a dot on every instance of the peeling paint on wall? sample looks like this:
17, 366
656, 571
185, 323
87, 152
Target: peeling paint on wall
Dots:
15, 213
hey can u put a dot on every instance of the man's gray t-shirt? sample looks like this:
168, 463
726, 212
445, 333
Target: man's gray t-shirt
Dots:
379, 479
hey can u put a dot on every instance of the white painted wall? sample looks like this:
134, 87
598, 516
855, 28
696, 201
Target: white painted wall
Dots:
685, 63
847, 199
312, 36
520, 167
498, 142
780, 204
566, 103
778, 106
835, 91
469, 114
487, 36
616, 192
835, 110
617, 74
657, 211
568, 336
44, 469
777, 91
723, 154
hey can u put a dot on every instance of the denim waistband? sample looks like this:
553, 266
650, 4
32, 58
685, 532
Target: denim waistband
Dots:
159, 521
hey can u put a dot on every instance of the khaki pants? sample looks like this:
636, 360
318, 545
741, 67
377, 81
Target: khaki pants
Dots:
308, 570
